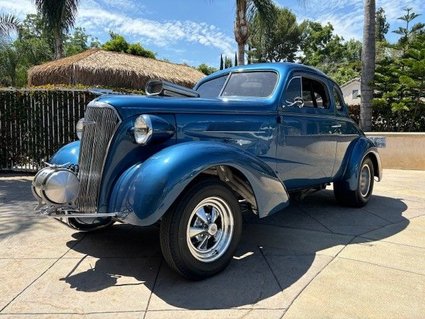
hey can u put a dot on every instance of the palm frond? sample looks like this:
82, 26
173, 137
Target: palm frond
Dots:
8, 22
58, 14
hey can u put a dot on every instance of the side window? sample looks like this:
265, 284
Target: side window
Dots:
314, 94
211, 88
339, 101
293, 91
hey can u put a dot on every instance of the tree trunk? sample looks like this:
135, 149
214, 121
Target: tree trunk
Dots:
241, 29
368, 65
57, 34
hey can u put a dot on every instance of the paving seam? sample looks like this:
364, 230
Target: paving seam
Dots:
308, 284
374, 214
383, 266
41, 275
308, 230
305, 211
389, 242
270, 268
153, 288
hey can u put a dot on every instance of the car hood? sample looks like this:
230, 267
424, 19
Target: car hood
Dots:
130, 105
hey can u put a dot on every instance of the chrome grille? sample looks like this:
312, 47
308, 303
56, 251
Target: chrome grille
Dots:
100, 124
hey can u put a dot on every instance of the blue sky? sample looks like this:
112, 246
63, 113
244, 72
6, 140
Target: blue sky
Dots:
198, 31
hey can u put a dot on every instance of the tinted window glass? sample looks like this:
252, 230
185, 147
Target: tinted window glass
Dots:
315, 94
293, 90
339, 102
260, 84
211, 88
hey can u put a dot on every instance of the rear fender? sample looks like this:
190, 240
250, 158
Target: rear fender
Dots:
145, 191
358, 150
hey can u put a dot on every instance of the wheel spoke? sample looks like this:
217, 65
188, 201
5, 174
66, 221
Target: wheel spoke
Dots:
195, 231
203, 242
202, 215
214, 215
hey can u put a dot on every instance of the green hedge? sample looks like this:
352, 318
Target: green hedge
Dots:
384, 120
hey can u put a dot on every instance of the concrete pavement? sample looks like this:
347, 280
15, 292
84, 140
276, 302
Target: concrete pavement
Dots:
312, 260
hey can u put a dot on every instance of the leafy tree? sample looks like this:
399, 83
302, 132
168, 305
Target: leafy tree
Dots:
59, 16
207, 70
400, 76
276, 42
137, 49
34, 45
221, 62
407, 32
245, 11
118, 43
381, 25
314, 42
77, 42
227, 62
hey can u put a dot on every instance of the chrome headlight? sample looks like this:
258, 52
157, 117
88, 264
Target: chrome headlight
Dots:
79, 128
143, 129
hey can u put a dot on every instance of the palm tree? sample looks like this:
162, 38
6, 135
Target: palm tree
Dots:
8, 23
245, 10
368, 65
59, 16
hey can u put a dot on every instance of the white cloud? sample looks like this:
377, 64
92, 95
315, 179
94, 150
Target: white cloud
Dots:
161, 33
20, 8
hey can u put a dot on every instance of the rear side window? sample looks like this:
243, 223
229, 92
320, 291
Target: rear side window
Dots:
212, 88
314, 94
258, 84
339, 101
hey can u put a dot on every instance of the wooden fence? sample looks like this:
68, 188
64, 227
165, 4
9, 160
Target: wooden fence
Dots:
35, 123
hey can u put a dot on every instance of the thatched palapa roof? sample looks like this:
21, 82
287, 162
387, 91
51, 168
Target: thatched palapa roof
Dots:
111, 69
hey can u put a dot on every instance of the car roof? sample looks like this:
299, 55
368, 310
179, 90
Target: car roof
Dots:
280, 67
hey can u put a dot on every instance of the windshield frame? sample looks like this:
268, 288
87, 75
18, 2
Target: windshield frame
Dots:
228, 77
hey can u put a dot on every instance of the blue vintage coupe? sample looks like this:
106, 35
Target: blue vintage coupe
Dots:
250, 136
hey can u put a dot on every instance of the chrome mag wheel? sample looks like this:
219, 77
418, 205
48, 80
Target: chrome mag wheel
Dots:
210, 229
364, 181
200, 233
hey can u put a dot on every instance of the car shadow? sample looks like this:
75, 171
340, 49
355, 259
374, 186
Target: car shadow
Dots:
274, 254
16, 207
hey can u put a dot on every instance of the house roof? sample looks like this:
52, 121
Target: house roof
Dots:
351, 81
111, 69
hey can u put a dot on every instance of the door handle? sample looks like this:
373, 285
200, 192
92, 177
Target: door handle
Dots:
336, 126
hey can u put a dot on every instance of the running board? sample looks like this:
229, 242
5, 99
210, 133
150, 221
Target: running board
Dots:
68, 214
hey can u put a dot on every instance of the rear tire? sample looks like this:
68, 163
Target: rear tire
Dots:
359, 197
200, 233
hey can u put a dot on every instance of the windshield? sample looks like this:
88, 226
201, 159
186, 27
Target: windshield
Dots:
249, 84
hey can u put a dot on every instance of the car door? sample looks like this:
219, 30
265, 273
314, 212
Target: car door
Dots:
347, 131
306, 144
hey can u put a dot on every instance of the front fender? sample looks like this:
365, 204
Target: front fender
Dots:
67, 154
358, 150
145, 191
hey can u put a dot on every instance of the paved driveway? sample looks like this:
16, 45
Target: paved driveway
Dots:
312, 260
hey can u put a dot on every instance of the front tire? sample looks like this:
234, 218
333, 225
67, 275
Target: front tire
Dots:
359, 197
90, 224
200, 234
